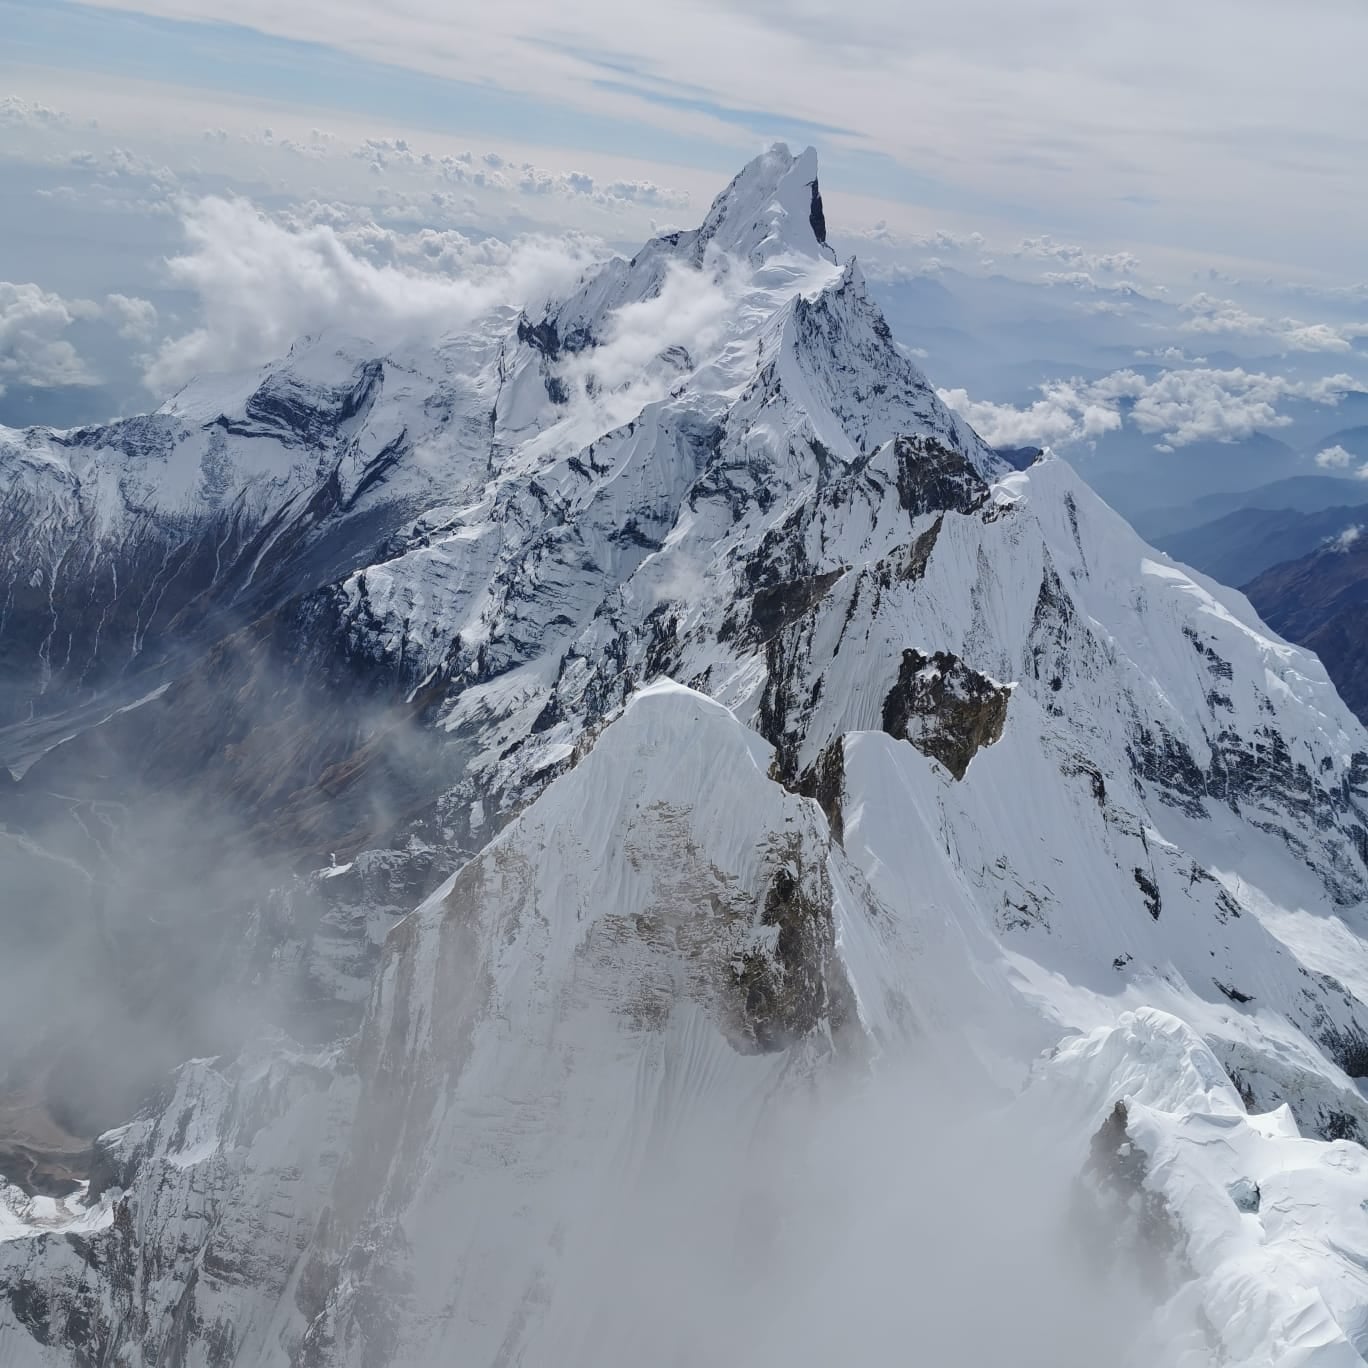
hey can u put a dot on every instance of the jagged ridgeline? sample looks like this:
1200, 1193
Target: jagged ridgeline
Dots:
461, 794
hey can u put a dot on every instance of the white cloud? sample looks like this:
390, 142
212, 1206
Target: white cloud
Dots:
1334, 458
1178, 406
1173, 355
645, 192
1212, 316
491, 171
33, 350
938, 240
1063, 415
30, 114
135, 319
1185, 406
1327, 337
262, 284
1076, 256
118, 163
1347, 538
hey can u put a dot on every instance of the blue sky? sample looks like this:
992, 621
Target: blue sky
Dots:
1200, 129
58, 36
62, 39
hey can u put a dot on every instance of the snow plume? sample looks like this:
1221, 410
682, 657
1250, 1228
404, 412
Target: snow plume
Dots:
261, 285
1180, 407
650, 344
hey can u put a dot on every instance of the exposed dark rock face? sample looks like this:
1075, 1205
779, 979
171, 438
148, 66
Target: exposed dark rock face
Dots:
542, 337
118, 1290
780, 605
310, 415
945, 709
816, 217
101, 616
1255, 773
1149, 891
1165, 761
934, 479
1123, 1217
1061, 645
825, 781
800, 985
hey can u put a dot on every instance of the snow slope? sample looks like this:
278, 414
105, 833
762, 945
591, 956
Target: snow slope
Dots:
801, 736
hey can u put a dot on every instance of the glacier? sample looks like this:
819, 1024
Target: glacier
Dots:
778, 772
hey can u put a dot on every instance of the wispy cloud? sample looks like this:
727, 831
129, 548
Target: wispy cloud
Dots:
261, 284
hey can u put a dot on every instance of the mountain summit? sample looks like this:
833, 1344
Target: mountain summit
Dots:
604, 750
773, 206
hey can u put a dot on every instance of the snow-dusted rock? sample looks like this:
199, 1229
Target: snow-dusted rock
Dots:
950, 755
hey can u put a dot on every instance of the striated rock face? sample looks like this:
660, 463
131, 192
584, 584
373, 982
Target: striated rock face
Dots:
581, 768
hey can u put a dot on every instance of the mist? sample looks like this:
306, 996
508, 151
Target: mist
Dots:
910, 1214
159, 906
214, 868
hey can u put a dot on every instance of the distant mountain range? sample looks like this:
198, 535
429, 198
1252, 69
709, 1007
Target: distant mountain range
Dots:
1243, 544
1320, 600
1299, 549
1297, 493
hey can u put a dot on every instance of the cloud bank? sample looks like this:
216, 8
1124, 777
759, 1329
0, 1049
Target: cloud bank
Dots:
1177, 406
260, 284
1211, 316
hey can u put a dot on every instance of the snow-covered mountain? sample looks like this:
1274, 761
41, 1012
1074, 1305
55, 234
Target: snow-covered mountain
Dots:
756, 733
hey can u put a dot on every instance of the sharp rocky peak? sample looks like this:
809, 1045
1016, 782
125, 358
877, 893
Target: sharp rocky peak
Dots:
772, 207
